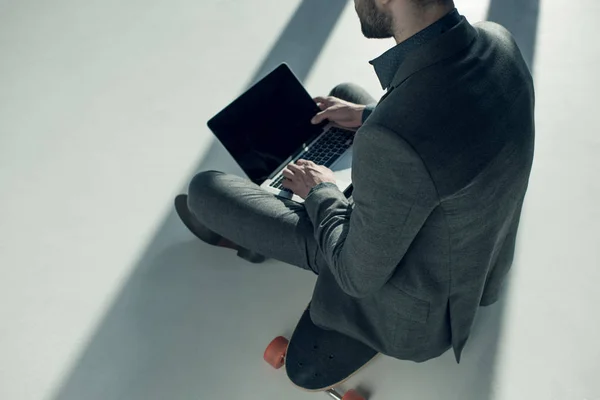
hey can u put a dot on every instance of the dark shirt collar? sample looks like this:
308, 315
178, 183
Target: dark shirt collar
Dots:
388, 63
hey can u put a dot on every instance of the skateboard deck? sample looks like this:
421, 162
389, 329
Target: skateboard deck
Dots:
319, 359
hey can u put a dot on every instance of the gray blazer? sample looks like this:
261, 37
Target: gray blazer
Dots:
440, 171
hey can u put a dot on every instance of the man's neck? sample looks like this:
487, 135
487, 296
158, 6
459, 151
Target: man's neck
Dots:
411, 20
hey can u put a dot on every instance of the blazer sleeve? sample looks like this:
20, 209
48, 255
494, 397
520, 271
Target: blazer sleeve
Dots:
393, 197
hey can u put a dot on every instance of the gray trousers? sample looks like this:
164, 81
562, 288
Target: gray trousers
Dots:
242, 212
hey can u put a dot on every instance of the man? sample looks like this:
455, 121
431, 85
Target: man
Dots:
440, 169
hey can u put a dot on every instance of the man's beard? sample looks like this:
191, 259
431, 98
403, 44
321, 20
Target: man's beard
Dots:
375, 24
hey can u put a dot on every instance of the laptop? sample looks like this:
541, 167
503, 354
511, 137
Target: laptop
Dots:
268, 127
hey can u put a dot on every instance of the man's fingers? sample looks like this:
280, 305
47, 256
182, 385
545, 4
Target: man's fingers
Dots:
287, 173
320, 117
305, 162
322, 102
294, 169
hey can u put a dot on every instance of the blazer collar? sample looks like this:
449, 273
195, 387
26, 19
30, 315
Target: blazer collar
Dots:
387, 64
438, 49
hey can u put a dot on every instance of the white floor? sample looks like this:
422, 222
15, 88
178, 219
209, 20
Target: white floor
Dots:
103, 293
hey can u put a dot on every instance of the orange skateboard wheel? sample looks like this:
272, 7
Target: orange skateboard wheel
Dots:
275, 352
352, 395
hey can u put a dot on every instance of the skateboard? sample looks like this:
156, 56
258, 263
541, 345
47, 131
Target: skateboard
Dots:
318, 360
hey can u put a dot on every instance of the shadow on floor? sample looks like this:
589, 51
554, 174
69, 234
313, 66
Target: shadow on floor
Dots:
161, 339
521, 18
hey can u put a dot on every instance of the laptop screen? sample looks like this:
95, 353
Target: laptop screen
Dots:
267, 124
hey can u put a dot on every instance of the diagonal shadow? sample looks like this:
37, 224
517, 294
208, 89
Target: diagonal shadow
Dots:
302, 40
521, 18
155, 340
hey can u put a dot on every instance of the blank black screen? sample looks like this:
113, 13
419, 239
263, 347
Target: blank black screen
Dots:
268, 123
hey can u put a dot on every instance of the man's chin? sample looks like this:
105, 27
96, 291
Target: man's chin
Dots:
370, 33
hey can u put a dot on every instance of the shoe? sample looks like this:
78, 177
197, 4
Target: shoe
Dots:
208, 236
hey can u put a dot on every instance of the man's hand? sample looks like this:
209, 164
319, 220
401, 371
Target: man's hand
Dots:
301, 177
340, 112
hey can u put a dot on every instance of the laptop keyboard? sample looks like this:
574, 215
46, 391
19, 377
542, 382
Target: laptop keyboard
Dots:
325, 151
